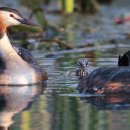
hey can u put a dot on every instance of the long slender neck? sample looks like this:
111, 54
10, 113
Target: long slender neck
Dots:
6, 48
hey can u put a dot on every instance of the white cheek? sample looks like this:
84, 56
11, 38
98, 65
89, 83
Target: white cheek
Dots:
13, 21
9, 20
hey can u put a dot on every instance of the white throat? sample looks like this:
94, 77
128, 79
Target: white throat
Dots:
10, 57
6, 48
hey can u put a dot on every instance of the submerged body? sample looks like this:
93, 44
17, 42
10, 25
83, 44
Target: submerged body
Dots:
15, 68
108, 79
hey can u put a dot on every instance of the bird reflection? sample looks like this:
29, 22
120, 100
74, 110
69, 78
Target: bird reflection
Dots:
15, 99
110, 102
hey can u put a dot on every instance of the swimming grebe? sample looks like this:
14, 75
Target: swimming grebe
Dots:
17, 66
108, 79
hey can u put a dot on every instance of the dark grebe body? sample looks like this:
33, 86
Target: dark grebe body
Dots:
108, 79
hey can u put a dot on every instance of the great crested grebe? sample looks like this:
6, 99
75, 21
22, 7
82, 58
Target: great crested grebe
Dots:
17, 65
108, 79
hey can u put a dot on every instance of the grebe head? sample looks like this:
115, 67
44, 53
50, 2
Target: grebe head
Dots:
10, 17
82, 63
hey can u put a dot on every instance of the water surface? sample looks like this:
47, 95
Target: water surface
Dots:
58, 106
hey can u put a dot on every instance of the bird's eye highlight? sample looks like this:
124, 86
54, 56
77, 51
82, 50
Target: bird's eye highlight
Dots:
11, 15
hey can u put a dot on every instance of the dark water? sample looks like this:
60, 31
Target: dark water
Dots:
57, 106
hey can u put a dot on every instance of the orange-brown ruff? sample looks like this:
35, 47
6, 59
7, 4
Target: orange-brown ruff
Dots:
2, 26
14, 69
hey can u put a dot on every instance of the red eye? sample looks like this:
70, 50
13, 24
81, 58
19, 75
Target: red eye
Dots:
11, 15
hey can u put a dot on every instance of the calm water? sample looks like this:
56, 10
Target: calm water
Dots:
57, 105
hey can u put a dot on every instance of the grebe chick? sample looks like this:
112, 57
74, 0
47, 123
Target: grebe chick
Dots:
108, 79
82, 68
16, 66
